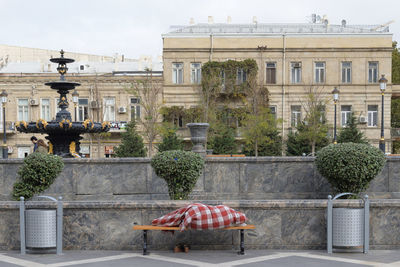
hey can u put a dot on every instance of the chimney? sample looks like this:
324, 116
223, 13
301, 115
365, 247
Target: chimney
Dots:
210, 20
229, 19
191, 22
254, 19
343, 23
314, 18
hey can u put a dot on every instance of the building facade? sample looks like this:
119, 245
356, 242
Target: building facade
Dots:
104, 95
291, 58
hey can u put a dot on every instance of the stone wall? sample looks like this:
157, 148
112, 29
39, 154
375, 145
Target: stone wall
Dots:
280, 224
223, 179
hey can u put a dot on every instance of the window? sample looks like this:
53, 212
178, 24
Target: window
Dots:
322, 116
241, 76
23, 111
223, 88
56, 105
270, 72
346, 72
85, 151
372, 116
135, 108
296, 115
345, 114
372, 72
273, 111
295, 71
83, 109
195, 74
108, 151
177, 73
319, 68
178, 121
45, 109
109, 109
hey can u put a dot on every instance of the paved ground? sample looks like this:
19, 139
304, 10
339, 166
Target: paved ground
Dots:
265, 258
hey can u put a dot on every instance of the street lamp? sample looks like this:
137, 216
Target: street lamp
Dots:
75, 98
3, 96
335, 93
382, 85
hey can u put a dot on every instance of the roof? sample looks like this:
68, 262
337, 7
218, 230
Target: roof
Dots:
275, 28
82, 67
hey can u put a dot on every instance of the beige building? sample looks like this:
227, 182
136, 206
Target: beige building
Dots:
103, 94
291, 58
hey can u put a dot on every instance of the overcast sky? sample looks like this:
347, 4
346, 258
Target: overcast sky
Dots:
134, 28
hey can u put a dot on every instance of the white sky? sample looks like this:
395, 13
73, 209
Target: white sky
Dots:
134, 28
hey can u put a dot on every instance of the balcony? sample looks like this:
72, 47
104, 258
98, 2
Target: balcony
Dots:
10, 127
118, 126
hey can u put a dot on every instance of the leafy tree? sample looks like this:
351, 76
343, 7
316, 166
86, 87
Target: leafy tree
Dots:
149, 92
395, 113
131, 143
395, 64
298, 143
261, 135
351, 133
170, 141
223, 140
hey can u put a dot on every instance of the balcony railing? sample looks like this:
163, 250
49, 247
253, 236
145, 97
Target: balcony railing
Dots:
118, 126
10, 127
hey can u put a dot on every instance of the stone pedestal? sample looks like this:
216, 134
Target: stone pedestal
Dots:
198, 132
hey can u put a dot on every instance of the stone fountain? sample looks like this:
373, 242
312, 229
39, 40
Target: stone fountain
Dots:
63, 133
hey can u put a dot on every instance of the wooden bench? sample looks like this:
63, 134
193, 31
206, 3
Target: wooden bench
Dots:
146, 228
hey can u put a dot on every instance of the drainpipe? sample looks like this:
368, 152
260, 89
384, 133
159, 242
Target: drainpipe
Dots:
283, 89
211, 46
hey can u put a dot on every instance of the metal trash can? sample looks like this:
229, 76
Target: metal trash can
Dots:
347, 227
41, 228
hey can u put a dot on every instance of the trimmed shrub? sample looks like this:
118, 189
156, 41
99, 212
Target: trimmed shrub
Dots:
350, 167
37, 174
180, 169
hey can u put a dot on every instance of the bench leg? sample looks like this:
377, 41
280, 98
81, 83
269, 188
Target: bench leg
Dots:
241, 252
145, 243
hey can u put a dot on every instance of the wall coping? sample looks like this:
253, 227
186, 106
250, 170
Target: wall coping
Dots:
175, 204
208, 160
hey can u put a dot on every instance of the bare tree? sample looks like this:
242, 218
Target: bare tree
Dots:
315, 128
149, 91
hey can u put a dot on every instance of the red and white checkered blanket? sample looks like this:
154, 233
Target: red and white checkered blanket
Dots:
200, 217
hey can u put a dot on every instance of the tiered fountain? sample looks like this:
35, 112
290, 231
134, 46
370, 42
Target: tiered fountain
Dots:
63, 134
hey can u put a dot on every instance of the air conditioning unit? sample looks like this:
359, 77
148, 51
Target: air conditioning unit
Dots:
94, 104
363, 119
33, 102
122, 110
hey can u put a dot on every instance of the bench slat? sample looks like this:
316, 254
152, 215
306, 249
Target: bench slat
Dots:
168, 228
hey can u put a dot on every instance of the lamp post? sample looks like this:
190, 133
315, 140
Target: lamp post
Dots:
75, 99
335, 93
382, 85
3, 96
